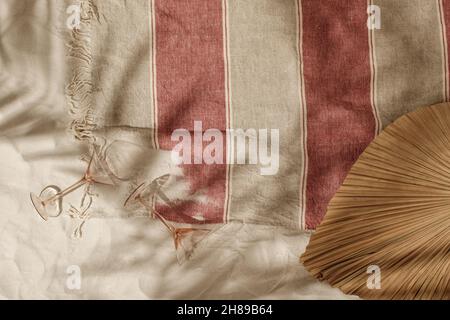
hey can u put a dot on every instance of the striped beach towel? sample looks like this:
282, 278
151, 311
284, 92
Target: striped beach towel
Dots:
328, 75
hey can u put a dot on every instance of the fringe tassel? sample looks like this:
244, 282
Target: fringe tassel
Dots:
81, 87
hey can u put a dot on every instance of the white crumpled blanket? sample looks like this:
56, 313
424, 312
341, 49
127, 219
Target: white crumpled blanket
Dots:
131, 258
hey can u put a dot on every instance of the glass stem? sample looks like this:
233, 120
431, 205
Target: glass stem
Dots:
158, 215
68, 190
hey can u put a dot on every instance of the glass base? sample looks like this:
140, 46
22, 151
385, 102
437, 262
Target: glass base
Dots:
46, 210
39, 206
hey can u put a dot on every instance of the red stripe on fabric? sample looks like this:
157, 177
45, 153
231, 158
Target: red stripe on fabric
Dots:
337, 77
190, 81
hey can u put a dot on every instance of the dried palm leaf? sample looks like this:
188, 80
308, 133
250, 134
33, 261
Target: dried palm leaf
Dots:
392, 213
